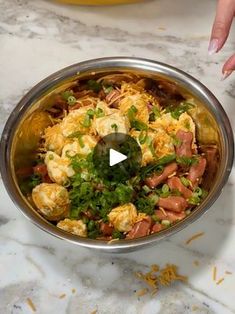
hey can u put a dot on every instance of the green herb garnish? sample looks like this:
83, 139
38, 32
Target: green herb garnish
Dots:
94, 85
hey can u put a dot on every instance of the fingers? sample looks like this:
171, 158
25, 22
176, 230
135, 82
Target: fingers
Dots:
222, 23
228, 67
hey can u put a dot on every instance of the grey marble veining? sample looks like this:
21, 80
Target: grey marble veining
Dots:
40, 37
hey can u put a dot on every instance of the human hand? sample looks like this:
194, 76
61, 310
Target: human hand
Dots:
223, 20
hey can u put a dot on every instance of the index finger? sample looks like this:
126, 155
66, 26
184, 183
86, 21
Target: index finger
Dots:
222, 24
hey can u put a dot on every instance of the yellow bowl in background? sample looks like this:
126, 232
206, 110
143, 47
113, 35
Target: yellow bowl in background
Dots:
98, 2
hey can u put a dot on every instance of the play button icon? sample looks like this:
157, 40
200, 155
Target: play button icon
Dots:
117, 157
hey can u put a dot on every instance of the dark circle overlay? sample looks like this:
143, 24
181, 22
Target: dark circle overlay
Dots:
122, 171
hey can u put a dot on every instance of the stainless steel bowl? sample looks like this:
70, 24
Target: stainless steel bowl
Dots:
21, 134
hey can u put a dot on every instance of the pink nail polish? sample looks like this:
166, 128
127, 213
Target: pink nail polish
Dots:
226, 74
213, 46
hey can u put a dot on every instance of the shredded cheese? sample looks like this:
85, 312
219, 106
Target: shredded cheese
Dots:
31, 305
62, 296
142, 292
198, 235
157, 277
163, 211
219, 281
214, 273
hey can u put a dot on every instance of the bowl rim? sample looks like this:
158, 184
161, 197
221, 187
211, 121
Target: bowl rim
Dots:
122, 63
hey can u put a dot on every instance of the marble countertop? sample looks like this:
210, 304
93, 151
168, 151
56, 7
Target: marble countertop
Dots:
40, 37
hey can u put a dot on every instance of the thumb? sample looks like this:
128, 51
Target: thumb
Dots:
222, 23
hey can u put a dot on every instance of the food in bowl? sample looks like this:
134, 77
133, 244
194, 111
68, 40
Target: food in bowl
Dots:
63, 183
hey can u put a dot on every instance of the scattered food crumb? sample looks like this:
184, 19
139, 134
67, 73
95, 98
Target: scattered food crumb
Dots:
142, 292
62, 296
196, 263
94, 312
228, 272
198, 235
157, 277
214, 273
195, 308
73, 290
162, 28
31, 305
219, 281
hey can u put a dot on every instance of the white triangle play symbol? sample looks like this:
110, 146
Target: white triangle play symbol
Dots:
115, 157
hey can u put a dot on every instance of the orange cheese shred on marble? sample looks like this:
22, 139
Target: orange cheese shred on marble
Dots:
194, 237
157, 277
31, 305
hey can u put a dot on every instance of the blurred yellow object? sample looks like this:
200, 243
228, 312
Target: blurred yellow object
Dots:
98, 2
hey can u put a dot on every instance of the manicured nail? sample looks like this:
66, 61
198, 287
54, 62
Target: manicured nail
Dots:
226, 74
213, 46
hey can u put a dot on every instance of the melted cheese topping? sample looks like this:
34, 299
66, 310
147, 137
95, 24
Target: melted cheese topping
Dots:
51, 199
58, 168
140, 102
123, 217
111, 123
76, 227
73, 122
54, 139
74, 148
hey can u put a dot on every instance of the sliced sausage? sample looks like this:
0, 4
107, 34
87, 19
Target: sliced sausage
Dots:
41, 170
106, 229
185, 147
156, 228
170, 215
175, 183
196, 171
174, 203
156, 179
140, 229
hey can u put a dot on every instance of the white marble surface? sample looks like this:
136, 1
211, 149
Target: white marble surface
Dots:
39, 37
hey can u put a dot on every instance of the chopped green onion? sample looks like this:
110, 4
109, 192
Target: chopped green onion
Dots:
65, 95
198, 191
91, 225
115, 127
75, 134
156, 112
154, 199
185, 182
186, 161
194, 199
142, 137
132, 112
181, 108
165, 188
139, 125
93, 85
166, 222
90, 113
99, 113
80, 141
146, 189
155, 218
51, 157
117, 235
107, 89
87, 121
71, 100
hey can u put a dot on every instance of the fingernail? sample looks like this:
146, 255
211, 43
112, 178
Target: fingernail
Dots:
213, 46
226, 74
